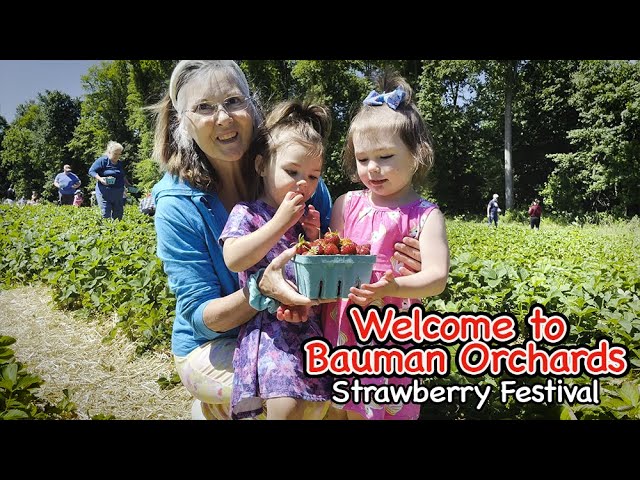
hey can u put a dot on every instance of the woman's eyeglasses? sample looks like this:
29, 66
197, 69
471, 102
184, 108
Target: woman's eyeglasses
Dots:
230, 105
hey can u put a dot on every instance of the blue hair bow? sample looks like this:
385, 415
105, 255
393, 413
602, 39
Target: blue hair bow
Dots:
392, 99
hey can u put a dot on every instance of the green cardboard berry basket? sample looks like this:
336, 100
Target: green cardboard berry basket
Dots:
331, 276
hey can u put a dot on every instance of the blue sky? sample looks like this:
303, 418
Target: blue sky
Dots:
22, 80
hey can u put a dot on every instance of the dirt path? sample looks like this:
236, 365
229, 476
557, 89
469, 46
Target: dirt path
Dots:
67, 352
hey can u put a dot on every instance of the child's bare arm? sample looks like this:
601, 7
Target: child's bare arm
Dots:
337, 215
241, 253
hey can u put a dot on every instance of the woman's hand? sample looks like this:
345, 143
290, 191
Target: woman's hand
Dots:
102, 180
274, 285
408, 252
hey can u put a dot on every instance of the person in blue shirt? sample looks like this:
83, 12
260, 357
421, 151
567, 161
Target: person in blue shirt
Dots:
111, 180
66, 182
493, 210
204, 126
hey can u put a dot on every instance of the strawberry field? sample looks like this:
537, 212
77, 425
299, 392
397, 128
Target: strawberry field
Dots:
590, 274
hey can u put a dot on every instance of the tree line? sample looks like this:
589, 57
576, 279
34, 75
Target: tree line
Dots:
566, 131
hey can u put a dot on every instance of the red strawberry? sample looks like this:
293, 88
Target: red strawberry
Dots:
331, 249
345, 240
317, 246
332, 237
302, 246
348, 248
364, 249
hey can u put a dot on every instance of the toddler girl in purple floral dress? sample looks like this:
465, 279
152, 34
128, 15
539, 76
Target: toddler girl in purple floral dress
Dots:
268, 361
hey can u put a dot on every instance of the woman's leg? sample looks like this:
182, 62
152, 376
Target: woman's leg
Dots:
354, 416
117, 204
104, 204
207, 373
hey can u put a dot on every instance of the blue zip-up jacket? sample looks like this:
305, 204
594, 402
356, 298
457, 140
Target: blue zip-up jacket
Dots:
188, 225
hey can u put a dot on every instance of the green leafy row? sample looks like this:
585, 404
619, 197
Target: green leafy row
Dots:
104, 267
589, 274
18, 391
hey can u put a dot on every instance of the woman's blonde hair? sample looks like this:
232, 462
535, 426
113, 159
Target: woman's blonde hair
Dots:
112, 146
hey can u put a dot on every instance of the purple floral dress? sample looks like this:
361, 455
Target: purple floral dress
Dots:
381, 227
268, 360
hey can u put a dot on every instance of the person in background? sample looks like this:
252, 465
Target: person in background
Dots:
78, 198
35, 198
11, 193
535, 212
66, 182
111, 178
204, 126
493, 210
147, 206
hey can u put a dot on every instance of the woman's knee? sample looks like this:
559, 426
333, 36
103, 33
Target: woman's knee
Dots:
207, 372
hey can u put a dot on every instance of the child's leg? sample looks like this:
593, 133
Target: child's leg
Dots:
354, 416
336, 414
287, 408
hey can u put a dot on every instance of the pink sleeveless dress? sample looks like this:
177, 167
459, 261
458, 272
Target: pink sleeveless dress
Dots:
381, 227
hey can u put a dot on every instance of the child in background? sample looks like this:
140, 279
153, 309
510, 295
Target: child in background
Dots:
78, 198
287, 154
388, 149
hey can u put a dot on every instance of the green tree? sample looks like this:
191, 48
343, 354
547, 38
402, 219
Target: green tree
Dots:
602, 172
148, 82
104, 114
19, 148
34, 147
448, 95
270, 80
542, 116
59, 116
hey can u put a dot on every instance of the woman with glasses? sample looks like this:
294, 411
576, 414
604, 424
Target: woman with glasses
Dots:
204, 126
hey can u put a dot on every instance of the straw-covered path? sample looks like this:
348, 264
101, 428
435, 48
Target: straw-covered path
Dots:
68, 352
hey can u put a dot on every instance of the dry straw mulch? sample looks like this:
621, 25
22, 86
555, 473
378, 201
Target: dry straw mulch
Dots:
67, 352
